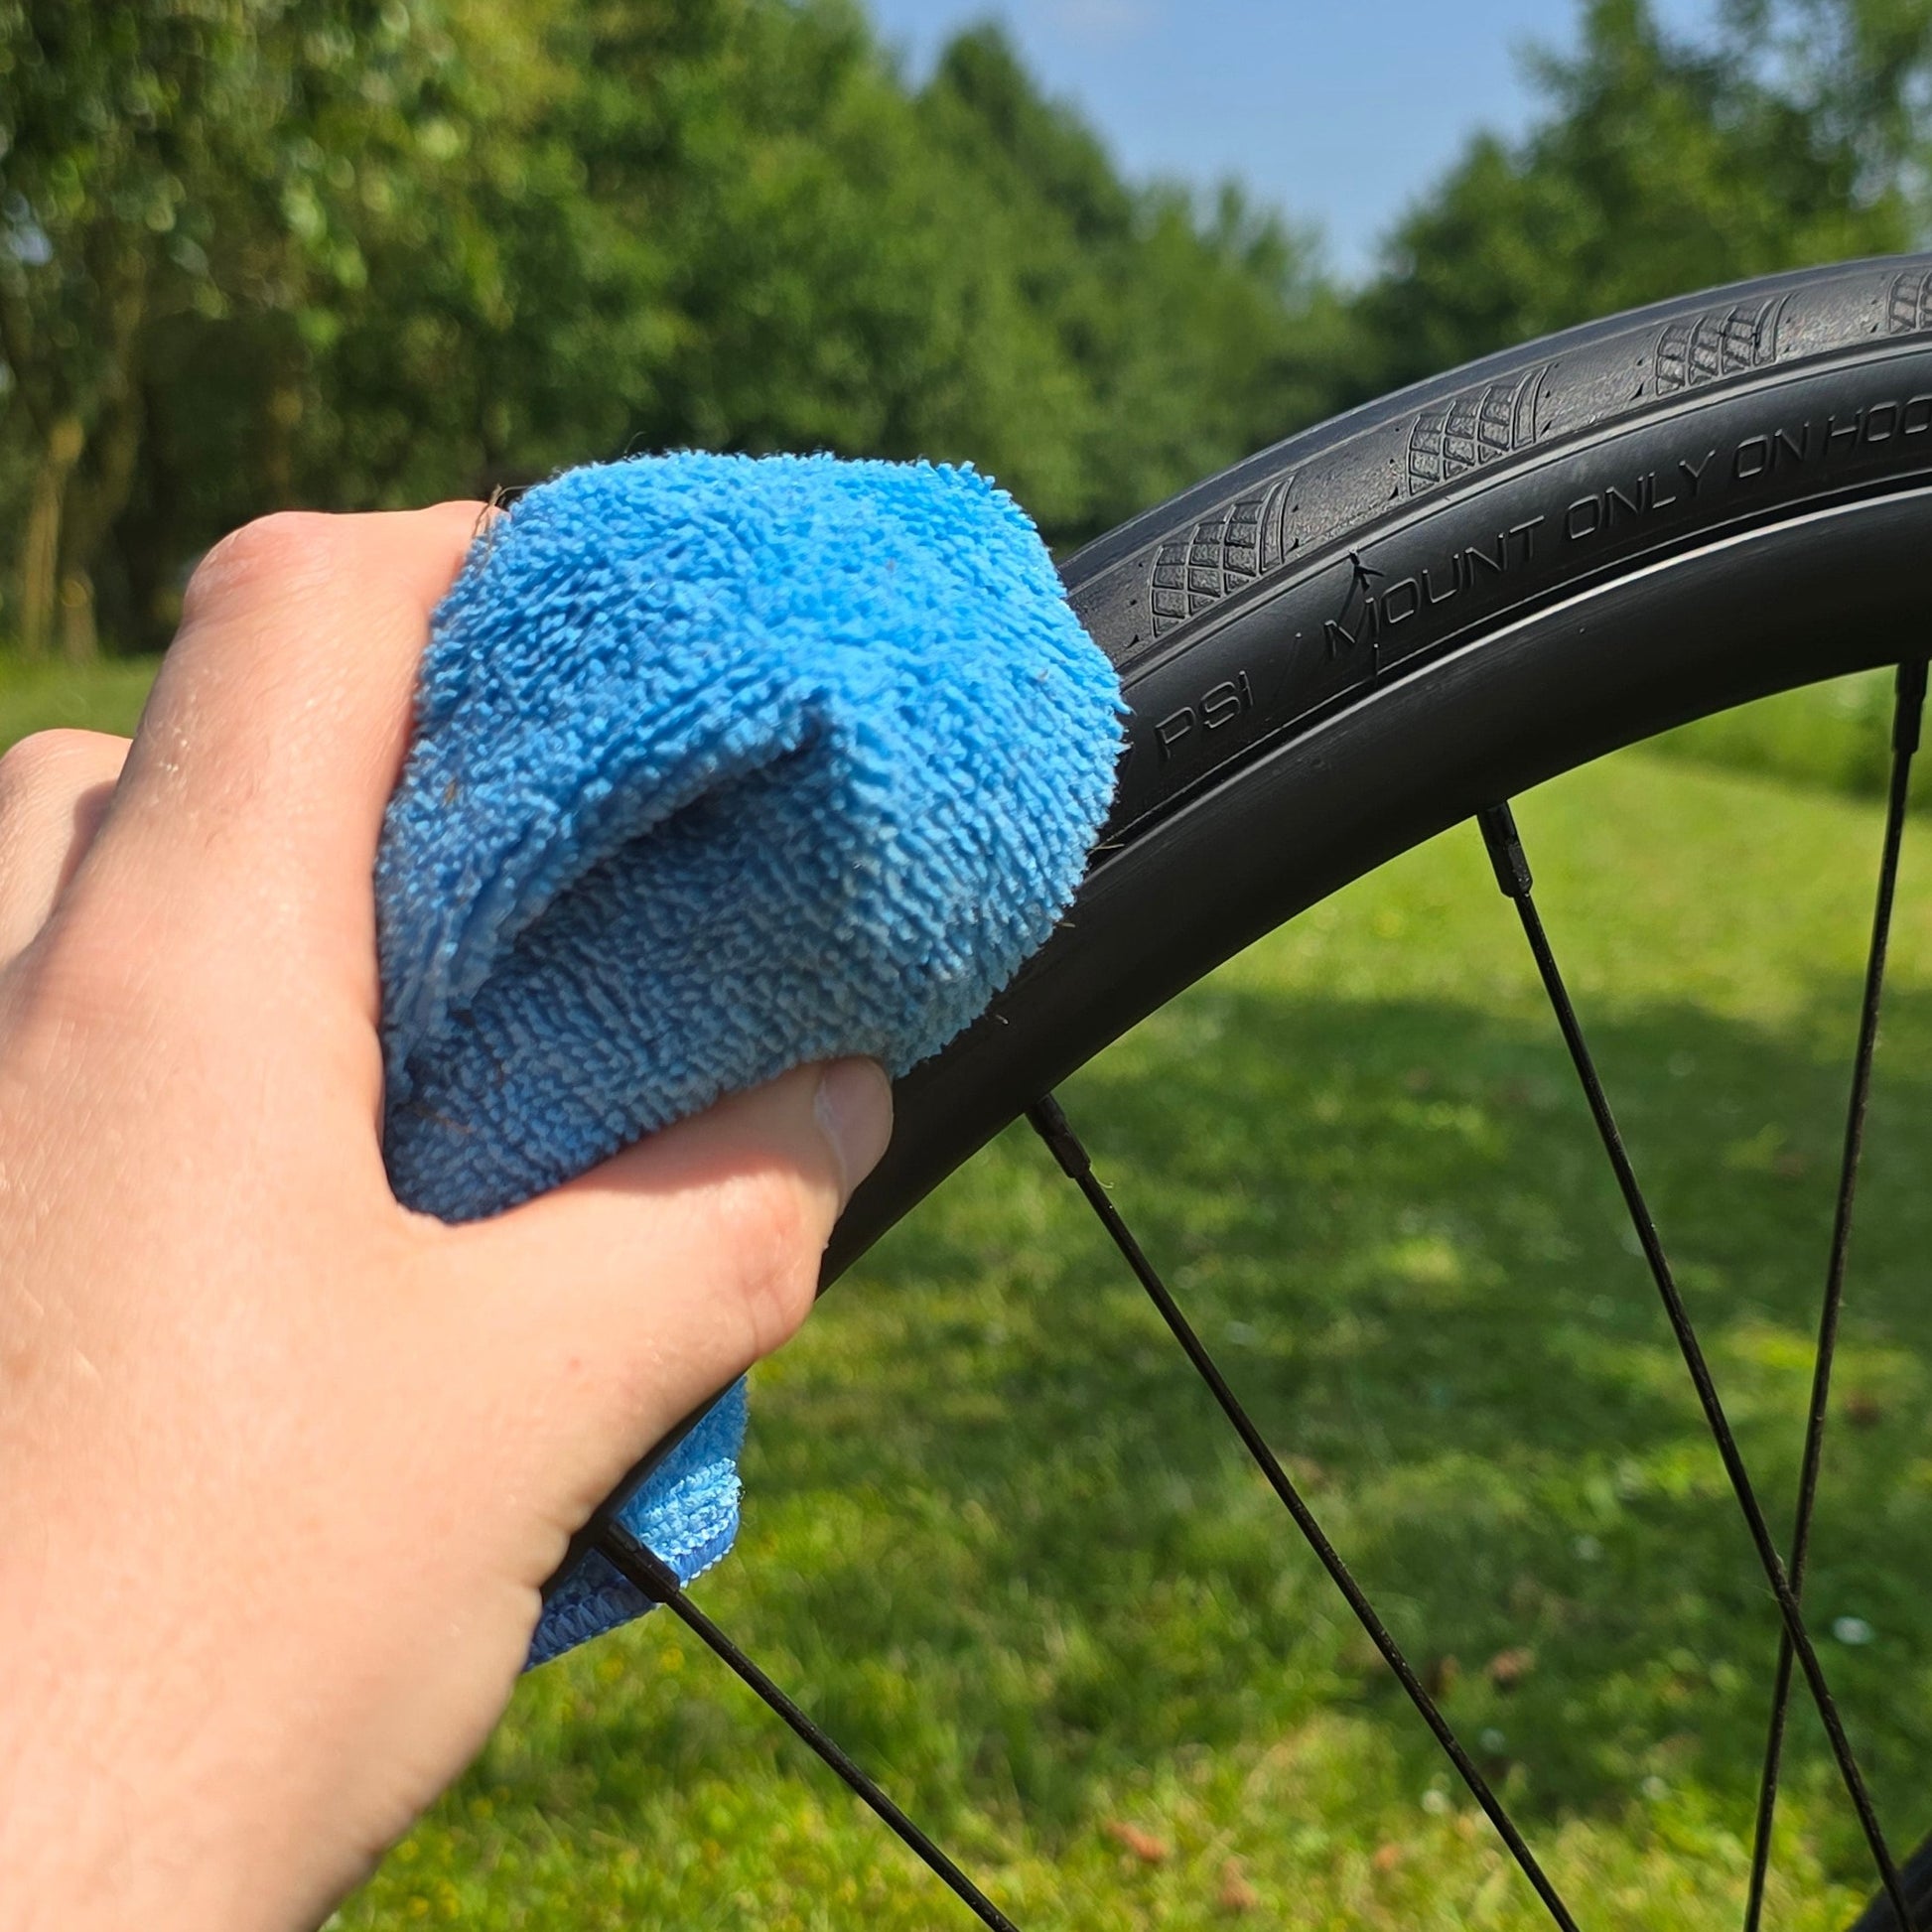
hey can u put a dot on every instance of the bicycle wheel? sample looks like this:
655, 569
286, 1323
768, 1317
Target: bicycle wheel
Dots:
1399, 619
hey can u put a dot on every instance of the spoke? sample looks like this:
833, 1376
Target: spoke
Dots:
643, 1567
1513, 876
1906, 711
1053, 1127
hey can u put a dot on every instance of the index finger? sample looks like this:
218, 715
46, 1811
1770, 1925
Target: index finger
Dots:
254, 790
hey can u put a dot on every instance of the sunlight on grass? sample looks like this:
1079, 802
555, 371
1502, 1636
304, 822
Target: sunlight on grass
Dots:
996, 1540
1836, 735
103, 697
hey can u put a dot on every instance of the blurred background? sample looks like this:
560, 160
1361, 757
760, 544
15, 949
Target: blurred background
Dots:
346, 253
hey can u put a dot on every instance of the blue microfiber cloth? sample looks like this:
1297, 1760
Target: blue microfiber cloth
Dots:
722, 765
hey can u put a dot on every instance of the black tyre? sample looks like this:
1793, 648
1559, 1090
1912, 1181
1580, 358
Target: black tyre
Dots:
1346, 643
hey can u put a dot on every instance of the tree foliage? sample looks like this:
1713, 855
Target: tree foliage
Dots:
176, 166
1798, 133
361, 252
346, 253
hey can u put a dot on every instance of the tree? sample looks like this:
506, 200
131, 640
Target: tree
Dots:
1797, 134
1123, 342
184, 161
726, 224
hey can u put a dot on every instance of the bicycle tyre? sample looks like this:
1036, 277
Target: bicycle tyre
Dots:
1342, 645
1432, 602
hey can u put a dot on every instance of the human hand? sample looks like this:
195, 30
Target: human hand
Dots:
282, 1464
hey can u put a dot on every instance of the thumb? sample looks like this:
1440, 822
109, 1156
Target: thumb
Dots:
606, 1311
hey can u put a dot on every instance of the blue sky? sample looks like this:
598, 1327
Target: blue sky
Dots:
1337, 111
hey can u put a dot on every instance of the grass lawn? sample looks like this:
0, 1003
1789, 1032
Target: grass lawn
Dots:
103, 697
1837, 736
998, 1542
997, 1539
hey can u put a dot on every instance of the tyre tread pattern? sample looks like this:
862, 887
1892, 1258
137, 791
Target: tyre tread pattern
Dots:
1909, 309
1476, 427
1720, 343
1230, 538
1222, 554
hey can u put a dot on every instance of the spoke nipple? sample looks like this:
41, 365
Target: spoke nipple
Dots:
1506, 855
1050, 1123
1911, 702
638, 1562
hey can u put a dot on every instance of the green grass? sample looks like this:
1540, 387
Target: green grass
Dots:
997, 1539
103, 697
1836, 735
998, 1542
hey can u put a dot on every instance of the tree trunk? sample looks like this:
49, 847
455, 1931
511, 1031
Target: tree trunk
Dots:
98, 492
39, 550
279, 422
78, 642
96, 498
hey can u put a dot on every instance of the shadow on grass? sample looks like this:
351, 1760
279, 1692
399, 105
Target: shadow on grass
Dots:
1004, 1543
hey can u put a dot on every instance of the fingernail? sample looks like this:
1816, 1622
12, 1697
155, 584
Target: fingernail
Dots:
854, 1110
